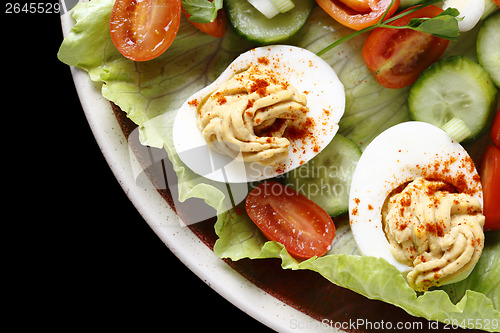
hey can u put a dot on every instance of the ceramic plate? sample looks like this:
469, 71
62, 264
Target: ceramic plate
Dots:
284, 300
110, 131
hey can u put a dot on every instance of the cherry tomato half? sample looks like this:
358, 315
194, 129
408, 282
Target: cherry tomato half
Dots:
397, 56
288, 217
217, 28
143, 30
490, 179
357, 14
495, 130
362, 6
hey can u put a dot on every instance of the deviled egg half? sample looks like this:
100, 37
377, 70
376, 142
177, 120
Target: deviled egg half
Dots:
416, 201
273, 109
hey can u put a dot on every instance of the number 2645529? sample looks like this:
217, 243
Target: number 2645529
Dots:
479, 323
32, 8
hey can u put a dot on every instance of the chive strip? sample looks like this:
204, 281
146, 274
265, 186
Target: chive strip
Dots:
457, 129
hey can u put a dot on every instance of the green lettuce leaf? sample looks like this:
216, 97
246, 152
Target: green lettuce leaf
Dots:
151, 92
473, 301
147, 89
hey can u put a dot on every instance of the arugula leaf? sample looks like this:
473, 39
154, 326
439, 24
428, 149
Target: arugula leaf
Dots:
202, 11
444, 25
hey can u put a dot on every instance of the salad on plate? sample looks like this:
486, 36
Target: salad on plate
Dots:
359, 139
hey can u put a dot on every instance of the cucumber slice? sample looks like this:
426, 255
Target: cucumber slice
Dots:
488, 47
326, 179
255, 27
454, 87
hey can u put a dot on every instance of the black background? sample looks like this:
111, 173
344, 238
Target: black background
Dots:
79, 254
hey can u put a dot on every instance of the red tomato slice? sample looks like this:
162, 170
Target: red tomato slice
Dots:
362, 6
288, 217
495, 130
143, 30
497, 2
357, 14
397, 56
217, 28
490, 179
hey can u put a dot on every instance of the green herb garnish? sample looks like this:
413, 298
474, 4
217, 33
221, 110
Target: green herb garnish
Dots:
202, 11
444, 25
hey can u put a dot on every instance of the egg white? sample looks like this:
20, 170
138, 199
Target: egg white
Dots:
303, 70
399, 155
